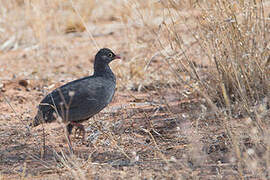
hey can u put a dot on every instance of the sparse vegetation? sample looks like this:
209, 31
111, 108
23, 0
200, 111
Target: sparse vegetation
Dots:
192, 95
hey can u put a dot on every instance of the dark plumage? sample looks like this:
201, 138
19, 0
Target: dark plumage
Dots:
81, 99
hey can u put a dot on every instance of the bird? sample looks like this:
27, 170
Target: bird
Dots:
79, 100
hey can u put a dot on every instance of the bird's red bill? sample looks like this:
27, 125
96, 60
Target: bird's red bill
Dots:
117, 57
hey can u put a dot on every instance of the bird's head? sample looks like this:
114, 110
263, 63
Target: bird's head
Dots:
105, 56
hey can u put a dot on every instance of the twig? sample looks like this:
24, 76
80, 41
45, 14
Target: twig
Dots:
16, 114
88, 31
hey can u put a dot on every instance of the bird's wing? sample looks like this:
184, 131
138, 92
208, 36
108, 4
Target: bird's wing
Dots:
75, 93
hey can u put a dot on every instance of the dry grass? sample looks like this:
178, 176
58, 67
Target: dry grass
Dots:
192, 95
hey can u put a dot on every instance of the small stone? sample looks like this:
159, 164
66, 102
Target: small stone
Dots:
23, 82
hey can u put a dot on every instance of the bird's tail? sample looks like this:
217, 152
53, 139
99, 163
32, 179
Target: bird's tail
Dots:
38, 119
43, 117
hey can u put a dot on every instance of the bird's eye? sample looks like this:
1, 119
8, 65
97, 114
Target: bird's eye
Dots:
110, 55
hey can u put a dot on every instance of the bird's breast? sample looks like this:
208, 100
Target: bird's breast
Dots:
105, 92
110, 93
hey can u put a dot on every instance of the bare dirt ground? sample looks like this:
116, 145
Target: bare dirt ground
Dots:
135, 134
155, 128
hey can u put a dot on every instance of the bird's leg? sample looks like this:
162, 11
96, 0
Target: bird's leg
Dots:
80, 128
68, 130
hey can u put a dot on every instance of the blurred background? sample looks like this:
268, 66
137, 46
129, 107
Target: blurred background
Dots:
192, 94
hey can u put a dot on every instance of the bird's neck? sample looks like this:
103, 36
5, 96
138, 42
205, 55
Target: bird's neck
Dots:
103, 70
